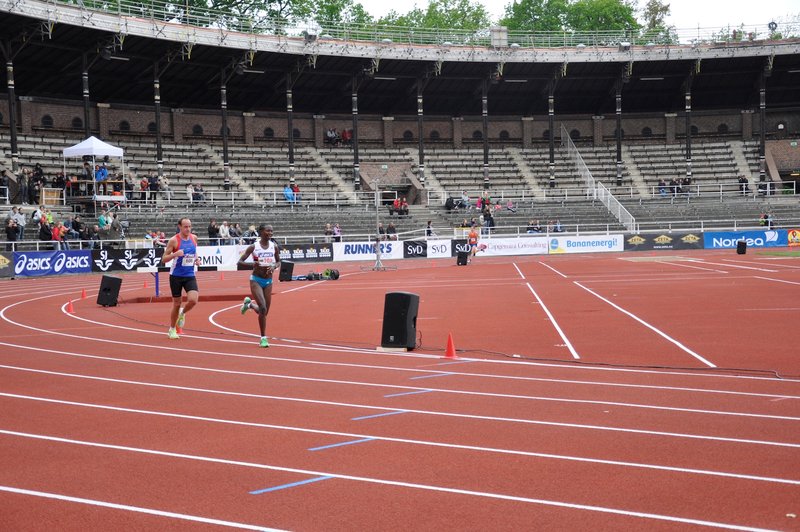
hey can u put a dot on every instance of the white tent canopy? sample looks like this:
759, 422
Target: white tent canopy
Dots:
93, 147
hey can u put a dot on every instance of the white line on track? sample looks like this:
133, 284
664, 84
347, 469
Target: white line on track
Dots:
776, 280
518, 270
136, 509
394, 483
701, 261
580, 426
428, 443
772, 264
551, 268
555, 323
692, 267
396, 387
652, 328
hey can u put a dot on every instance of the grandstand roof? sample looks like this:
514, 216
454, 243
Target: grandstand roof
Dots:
50, 62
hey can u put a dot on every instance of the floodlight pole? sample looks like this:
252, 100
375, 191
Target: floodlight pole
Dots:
378, 264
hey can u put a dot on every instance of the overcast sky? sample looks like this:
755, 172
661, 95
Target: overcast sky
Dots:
684, 13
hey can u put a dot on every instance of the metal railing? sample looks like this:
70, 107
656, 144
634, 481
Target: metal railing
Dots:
311, 30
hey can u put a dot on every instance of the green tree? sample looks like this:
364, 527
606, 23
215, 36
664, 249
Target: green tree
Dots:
337, 11
444, 14
535, 15
601, 15
654, 12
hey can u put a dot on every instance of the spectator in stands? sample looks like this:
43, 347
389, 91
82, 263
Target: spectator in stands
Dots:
394, 207
130, 185
236, 234
12, 233
45, 232
22, 184
391, 232
337, 233
190, 193
224, 233
531, 227
557, 227
226, 183
71, 234
59, 234
250, 235
381, 232
465, 224
288, 193
93, 236
510, 206
662, 187
78, 227
328, 232
347, 137
744, 187
686, 185
403, 206
465, 202
19, 217
163, 186
152, 187
87, 178
37, 183
674, 187
213, 232
296, 192
161, 240
144, 186
429, 232
103, 221
199, 193
449, 204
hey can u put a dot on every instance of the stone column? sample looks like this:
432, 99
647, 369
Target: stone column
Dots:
25, 117
177, 125
669, 127
103, 126
388, 132
458, 139
527, 132
248, 123
318, 131
747, 124
597, 130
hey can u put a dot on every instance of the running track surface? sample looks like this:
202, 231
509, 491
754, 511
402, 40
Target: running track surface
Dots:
612, 392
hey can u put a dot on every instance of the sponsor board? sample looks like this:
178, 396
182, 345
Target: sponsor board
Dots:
585, 244
366, 250
754, 239
513, 246
440, 248
40, 263
6, 265
415, 248
115, 260
668, 241
459, 246
306, 252
793, 237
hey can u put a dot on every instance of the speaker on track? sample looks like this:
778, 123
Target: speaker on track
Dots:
109, 291
286, 271
462, 258
400, 320
741, 247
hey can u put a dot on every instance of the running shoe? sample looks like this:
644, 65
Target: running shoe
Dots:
245, 305
264, 342
181, 320
173, 334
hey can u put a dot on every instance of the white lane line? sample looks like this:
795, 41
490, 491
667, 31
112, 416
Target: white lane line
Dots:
408, 441
137, 509
773, 264
701, 261
555, 323
776, 280
394, 483
692, 267
428, 388
551, 268
652, 328
518, 270
458, 415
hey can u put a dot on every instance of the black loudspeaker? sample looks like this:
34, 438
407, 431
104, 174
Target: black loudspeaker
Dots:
741, 247
286, 271
462, 258
400, 320
109, 291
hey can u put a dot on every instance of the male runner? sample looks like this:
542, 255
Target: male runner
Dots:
266, 259
183, 249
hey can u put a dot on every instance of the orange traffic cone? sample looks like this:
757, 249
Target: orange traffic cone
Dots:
70, 309
221, 276
83, 293
145, 284
450, 352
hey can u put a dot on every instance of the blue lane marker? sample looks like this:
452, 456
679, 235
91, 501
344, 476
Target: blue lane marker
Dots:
379, 415
431, 376
293, 484
407, 393
340, 444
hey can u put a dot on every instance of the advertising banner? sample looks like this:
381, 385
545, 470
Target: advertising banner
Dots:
366, 250
513, 246
438, 249
415, 248
793, 237
586, 244
754, 239
6, 265
40, 263
662, 241
115, 260
307, 252
459, 246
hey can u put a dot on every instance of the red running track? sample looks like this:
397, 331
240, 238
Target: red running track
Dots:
636, 391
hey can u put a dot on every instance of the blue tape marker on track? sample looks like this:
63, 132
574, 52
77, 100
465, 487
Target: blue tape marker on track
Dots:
340, 444
407, 393
379, 415
293, 484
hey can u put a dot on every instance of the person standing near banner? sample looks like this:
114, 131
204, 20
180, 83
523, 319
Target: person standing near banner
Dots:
183, 249
266, 256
